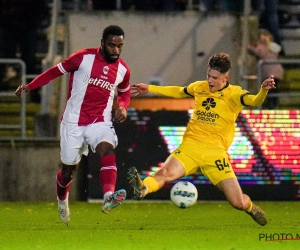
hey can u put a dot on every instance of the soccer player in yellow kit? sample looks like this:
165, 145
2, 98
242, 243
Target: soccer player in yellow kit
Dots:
208, 136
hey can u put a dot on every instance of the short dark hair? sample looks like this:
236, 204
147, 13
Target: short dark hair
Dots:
112, 30
220, 62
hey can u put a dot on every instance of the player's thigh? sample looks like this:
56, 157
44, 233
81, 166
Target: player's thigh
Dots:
72, 144
172, 169
184, 159
100, 132
215, 165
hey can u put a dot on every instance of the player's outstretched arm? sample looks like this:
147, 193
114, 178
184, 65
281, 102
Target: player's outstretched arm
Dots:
39, 81
139, 89
22, 89
257, 100
170, 91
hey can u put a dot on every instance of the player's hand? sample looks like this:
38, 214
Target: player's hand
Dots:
269, 83
120, 115
22, 89
139, 89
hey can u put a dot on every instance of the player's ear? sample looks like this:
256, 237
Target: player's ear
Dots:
226, 77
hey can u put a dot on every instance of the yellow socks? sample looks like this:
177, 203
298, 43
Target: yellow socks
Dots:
151, 184
248, 210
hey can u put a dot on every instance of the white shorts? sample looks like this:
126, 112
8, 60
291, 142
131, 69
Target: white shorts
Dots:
74, 139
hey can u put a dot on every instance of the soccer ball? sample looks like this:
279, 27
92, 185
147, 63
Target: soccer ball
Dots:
184, 194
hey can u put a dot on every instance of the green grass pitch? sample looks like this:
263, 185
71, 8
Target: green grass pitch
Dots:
148, 225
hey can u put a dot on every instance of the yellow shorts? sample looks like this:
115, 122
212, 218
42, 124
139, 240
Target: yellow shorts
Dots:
212, 162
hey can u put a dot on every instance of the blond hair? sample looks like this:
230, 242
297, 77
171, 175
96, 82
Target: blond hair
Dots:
267, 34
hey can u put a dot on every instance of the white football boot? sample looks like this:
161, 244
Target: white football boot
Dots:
63, 209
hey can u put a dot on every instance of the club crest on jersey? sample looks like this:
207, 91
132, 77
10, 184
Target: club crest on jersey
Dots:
105, 69
209, 103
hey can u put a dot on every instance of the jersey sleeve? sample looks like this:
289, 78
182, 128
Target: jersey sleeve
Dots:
71, 64
68, 65
170, 91
123, 98
255, 100
238, 96
45, 78
191, 88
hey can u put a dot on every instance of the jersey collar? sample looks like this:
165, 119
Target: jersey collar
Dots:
226, 86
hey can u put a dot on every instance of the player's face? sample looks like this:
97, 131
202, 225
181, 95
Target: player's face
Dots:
216, 80
112, 47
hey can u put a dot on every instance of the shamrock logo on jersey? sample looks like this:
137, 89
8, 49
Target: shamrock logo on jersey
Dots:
209, 103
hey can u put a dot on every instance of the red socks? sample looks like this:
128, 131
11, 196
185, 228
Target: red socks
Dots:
62, 187
108, 177
108, 173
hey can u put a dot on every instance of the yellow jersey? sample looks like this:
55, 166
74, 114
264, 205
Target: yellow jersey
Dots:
214, 115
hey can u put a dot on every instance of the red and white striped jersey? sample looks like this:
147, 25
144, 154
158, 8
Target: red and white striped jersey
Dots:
92, 86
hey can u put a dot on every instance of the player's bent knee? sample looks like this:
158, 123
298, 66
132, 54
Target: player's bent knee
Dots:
68, 172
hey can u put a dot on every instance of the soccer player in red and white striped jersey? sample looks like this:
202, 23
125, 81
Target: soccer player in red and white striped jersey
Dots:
95, 75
